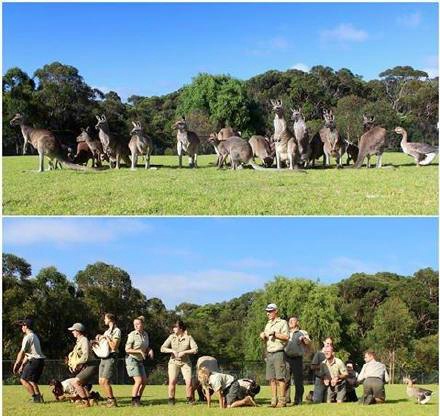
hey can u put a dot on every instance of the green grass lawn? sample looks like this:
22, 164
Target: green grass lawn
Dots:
400, 189
16, 403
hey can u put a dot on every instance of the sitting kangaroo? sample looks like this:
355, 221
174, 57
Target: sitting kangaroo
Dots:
261, 148
187, 141
140, 144
45, 143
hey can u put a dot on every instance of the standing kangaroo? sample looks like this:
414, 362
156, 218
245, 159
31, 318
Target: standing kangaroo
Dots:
140, 144
302, 136
114, 148
372, 142
187, 141
333, 143
45, 143
261, 148
286, 147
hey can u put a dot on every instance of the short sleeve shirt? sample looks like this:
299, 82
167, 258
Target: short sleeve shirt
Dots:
220, 381
137, 341
277, 325
82, 350
31, 346
374, 369
334, 369
294, 347
114, 334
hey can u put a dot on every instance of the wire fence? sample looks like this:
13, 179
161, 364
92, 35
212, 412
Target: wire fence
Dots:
158, 373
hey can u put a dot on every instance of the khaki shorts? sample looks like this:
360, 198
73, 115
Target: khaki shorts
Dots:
107, 367
174, 368
276, 366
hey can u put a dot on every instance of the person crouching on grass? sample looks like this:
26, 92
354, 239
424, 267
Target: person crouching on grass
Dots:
226, 386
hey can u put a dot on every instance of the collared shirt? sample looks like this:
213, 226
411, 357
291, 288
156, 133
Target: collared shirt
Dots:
333, 369
137, 340
114, 334
220, 381
182, 343
31, 346
374, 369
277, 325
294, 347
81, 350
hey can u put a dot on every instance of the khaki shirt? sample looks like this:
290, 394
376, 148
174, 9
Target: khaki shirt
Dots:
220, 381
277, 325
137, 341
180, 344
373, 369
115, 335
335, 369
82, 351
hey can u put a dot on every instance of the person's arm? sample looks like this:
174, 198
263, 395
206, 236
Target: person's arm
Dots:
304, 338
114, 341
283, 334
165, 348
263, 336
361, 376
221, 399
386, 376
129, 346
84, 351
207, 395
193, 348
18, 362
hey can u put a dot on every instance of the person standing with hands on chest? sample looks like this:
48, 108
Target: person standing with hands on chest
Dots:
276, 335
180, 345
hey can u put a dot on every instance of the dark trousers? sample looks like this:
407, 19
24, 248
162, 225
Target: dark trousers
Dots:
295, 370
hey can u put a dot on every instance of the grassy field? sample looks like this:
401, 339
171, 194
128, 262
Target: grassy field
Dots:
399, 189
16, 403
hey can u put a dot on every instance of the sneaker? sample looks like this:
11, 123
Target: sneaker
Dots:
190, 401
83, 403
281, 402
171, 401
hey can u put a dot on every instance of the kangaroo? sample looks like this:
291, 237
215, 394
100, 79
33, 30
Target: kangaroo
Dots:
302, 136
187, 141
83, 154
372, 142
227, 132
352, 152
238, 150
140, 144
316, 149
333, 144
286, 147
114, 148
45, 143
261, 148
95, 147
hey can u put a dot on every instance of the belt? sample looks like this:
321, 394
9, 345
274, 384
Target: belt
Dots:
274, 352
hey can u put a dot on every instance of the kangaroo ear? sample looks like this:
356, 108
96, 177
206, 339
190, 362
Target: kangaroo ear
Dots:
134, 124
87, 129
273, 102
97, 117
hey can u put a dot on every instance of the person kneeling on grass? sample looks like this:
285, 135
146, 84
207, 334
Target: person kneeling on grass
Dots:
229, 390
373, 375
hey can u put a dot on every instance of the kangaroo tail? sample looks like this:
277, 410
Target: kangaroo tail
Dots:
360, 159
74, 166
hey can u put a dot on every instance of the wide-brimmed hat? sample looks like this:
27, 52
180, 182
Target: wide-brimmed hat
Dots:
77, 327
271, 307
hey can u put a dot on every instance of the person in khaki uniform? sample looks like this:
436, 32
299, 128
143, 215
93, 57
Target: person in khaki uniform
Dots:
276, 335
333, 375
180, 345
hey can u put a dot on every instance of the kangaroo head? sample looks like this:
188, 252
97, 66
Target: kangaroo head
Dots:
213, 138
368, 122
137, 128
296, 114
102, 121
277, 107
329, 119
83, 136
180, 124
16, 120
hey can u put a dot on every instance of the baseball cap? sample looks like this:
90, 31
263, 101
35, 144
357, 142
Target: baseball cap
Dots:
271, 307
26, 321
77, 327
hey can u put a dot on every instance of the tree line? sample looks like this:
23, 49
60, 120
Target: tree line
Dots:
395, 315
57, 97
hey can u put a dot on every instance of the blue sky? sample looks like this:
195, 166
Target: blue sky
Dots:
204, 260
153, 49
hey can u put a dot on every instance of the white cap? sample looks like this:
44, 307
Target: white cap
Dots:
271, 307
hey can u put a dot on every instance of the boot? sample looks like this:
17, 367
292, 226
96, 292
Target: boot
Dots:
84, 403
111, 402
273, 402
281, 402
